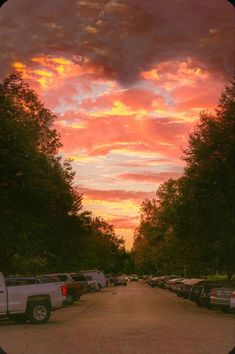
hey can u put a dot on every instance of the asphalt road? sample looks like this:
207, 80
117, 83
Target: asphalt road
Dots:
135, 319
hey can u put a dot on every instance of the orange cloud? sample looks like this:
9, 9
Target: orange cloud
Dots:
147, 177
49, 71
114, 195
172, 73
124, 222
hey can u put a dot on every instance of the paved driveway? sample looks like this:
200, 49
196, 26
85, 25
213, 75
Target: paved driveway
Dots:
135, 319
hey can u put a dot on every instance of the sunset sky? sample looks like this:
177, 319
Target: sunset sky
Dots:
127, 80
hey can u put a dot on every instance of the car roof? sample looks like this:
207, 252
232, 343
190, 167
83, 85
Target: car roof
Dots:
194, 281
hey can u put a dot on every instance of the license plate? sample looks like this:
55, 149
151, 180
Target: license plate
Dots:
223, 294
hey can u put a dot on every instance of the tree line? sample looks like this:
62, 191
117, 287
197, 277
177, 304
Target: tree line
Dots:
189, 227
43, 225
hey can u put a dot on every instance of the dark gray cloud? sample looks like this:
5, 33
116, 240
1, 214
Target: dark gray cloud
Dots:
122, 36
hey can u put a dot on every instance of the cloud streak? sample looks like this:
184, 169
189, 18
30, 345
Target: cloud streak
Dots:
147, 177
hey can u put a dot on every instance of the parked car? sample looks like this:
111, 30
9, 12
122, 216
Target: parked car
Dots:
75, 289
98, 276
232, 301
149, 278
22, 302
185, 288
220, 297
134, 277
120, 281
177, 284
81, 278
200, 293
172, 282
110, 278
153, 281
164, 279
92, 283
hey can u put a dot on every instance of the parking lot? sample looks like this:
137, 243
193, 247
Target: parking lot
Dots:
132, 319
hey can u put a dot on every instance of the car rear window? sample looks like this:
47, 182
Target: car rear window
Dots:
78, 277
62, 277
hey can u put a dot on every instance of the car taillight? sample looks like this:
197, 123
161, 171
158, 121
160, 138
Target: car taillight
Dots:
233, 294
64, 289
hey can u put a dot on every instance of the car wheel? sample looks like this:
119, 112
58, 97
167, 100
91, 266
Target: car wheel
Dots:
69, 299
20, 318
38, 312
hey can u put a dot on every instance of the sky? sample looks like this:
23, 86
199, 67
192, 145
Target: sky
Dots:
127, 80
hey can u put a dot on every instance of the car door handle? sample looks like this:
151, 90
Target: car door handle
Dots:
1, 291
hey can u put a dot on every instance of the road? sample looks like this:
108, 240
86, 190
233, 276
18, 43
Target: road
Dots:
135, 319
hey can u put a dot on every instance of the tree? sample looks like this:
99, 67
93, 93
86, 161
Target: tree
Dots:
210, 183
42, 223
36, 189
192, 219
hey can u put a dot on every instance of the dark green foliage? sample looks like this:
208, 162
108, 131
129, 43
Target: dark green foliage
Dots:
192, 221
42, 225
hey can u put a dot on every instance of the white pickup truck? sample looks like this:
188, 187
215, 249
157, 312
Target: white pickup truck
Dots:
34, 303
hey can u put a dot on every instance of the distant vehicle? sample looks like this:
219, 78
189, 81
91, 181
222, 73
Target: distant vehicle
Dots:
110, 278
120, 281
75, 288
98, 276
92, 283
153, 281
177, 284
220, 297
200, 293
185, 288
170, 284
232, 301
163, 281
134, 277
21, 301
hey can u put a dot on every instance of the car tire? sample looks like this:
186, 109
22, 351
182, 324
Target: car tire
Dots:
69, 299
38, 312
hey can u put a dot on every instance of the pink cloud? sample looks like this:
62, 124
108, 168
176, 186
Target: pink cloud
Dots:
114, 195
100, 136
133, 98
149, 162
150, 176
124, 222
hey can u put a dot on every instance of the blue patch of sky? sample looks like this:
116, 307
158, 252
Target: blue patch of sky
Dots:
97, 89
151, 86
